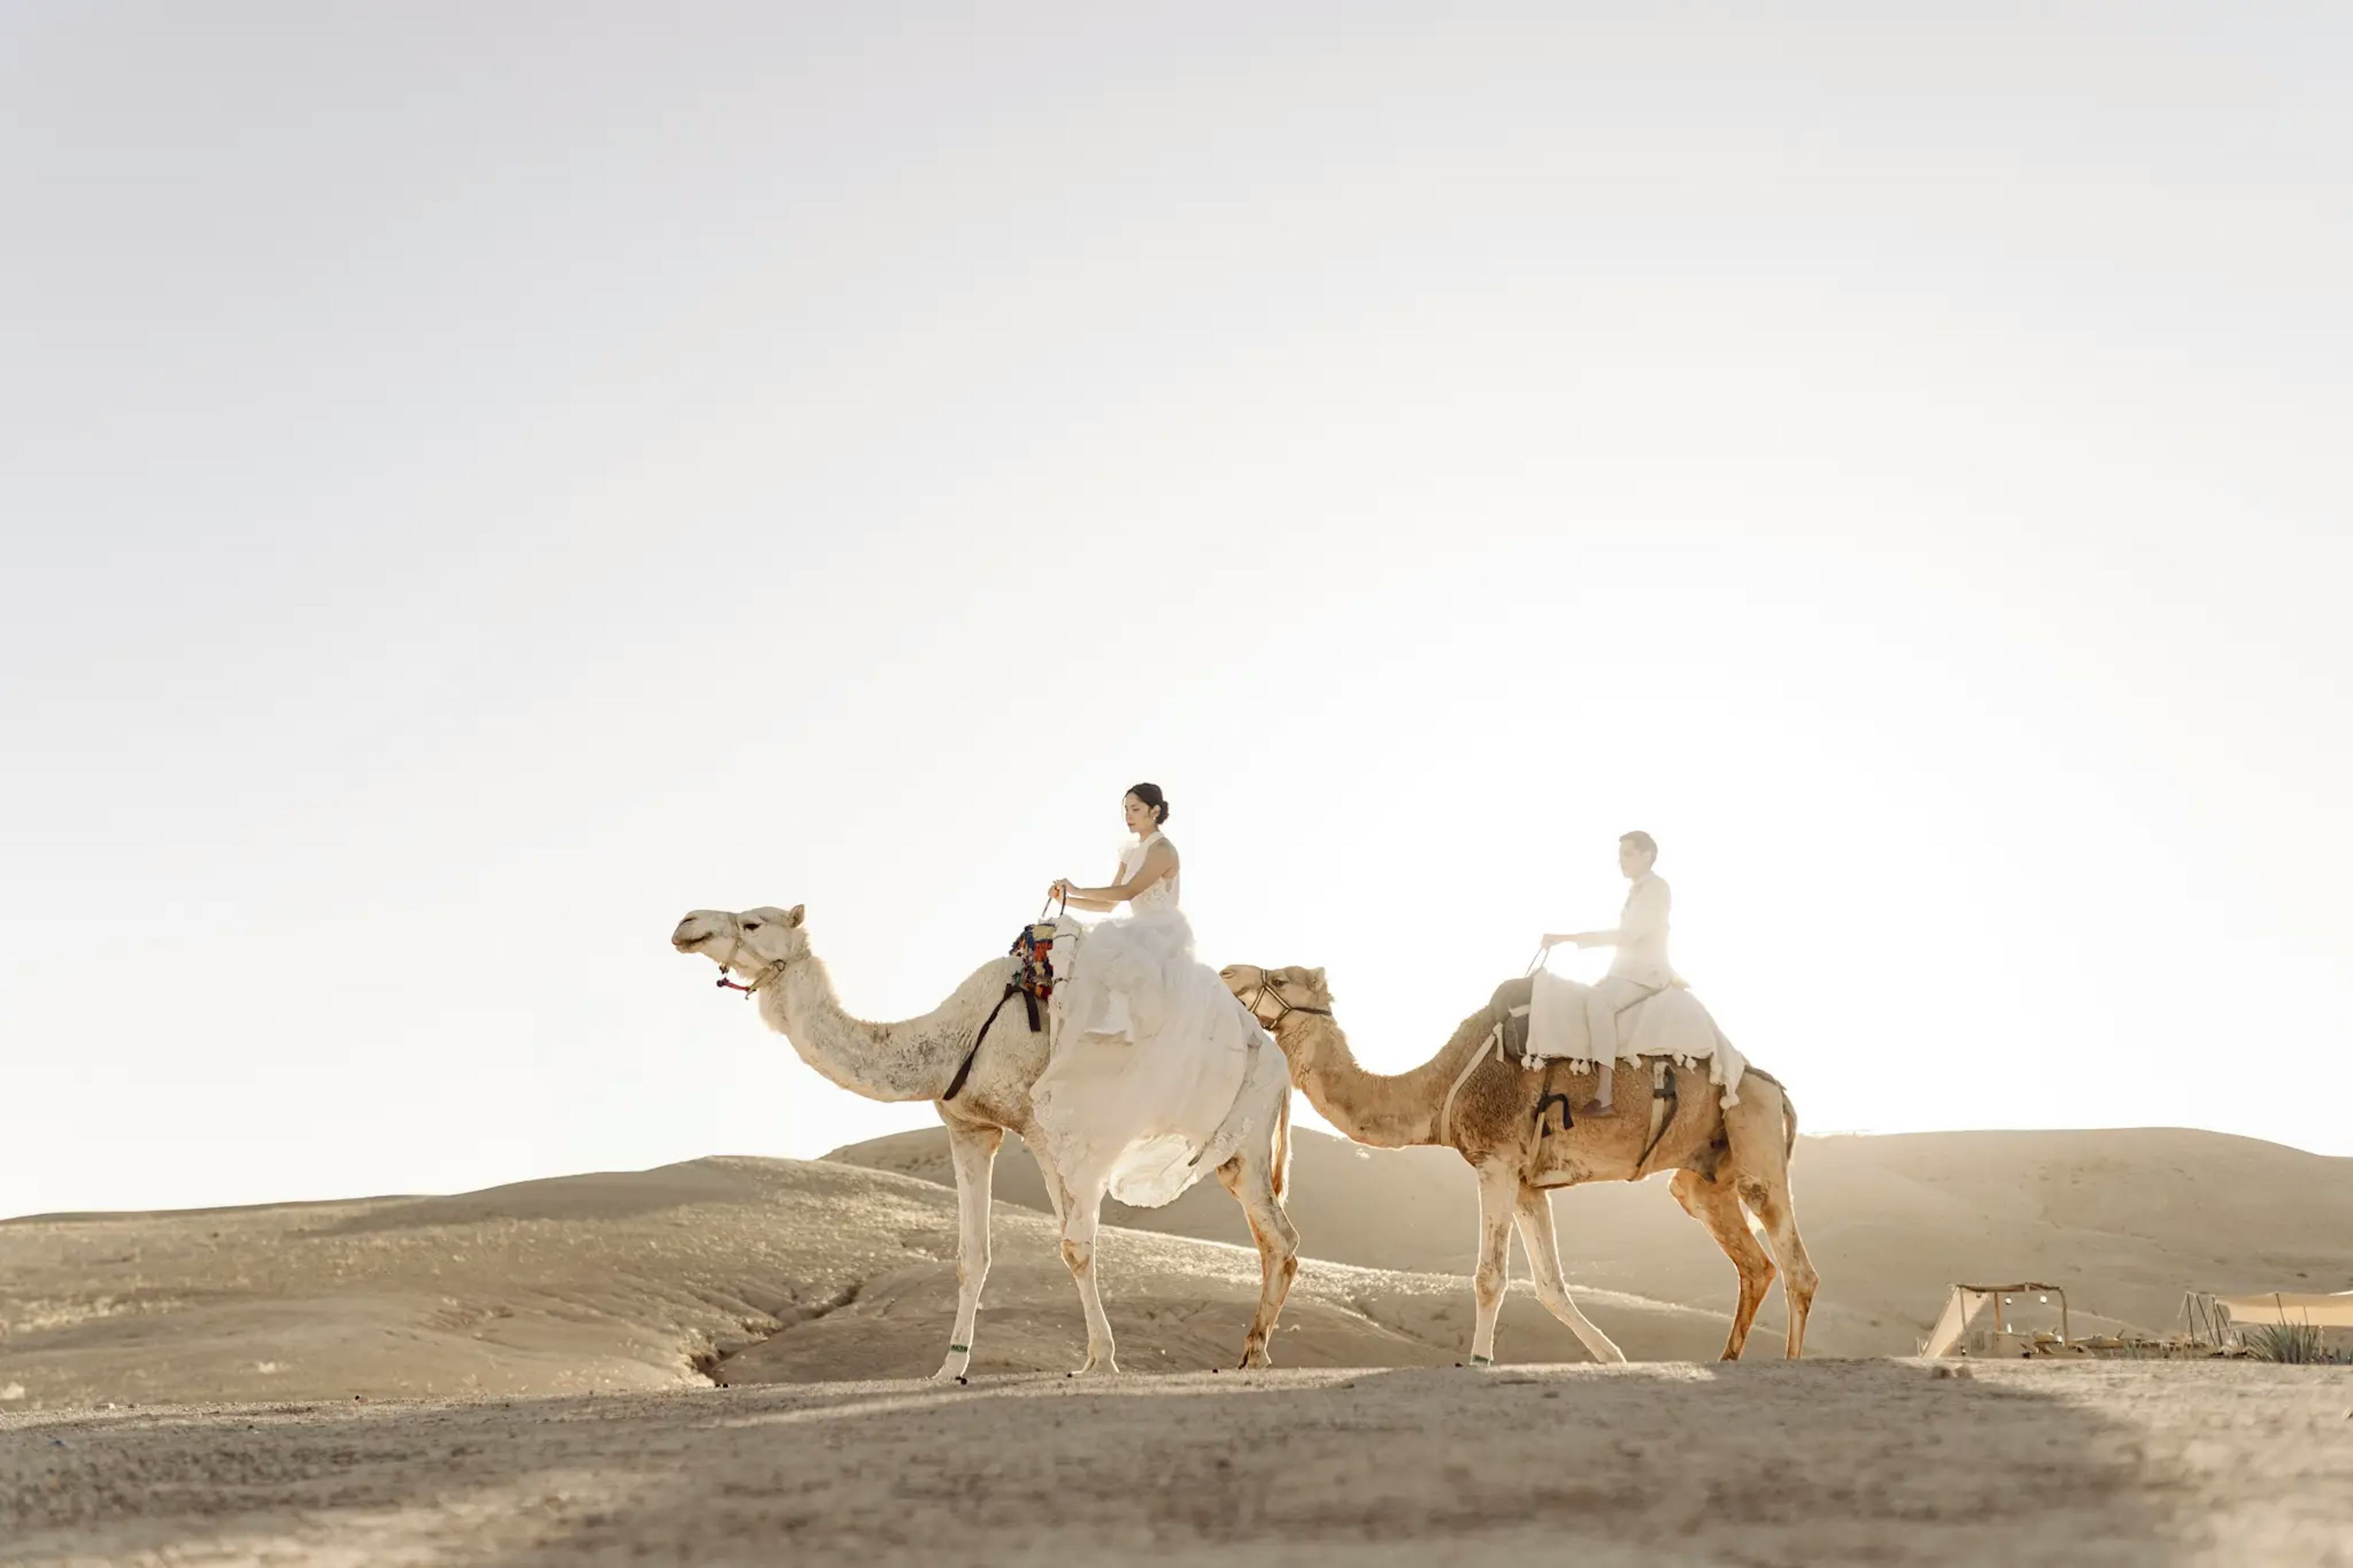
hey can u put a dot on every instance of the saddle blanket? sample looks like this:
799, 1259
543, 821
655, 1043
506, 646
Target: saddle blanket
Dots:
1669, 1023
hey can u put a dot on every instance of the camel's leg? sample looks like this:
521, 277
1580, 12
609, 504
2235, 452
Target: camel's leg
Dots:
1067, 1207
1769, 1199
1250, 1176
1058, 1197
1534, 1215
1716, 1205
974, 1151
1761, 1130
1079, 1212
1499, 1195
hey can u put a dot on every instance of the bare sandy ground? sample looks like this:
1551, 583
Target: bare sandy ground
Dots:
736, 1269
710, 1361
747, 1270
1763, 1463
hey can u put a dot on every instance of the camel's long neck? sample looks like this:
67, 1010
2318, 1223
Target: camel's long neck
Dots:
908, 1060
1389, 1113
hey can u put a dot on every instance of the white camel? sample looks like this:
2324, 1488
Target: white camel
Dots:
921, 1059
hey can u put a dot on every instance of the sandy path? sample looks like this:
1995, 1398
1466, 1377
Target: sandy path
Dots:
1760, 1462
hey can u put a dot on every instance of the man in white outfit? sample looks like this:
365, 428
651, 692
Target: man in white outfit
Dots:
1641, 967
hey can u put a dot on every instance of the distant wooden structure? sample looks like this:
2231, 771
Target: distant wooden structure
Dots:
1982, 1321
2204, 1321
2330, 1317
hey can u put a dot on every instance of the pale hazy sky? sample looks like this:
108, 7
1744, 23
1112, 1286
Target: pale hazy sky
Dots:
480, 481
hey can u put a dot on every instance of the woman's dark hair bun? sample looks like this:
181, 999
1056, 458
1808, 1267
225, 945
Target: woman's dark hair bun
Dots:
1154, 798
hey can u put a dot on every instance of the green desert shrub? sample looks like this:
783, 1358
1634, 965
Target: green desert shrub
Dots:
2296, 1343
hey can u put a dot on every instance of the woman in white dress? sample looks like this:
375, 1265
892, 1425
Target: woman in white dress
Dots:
1142, 1096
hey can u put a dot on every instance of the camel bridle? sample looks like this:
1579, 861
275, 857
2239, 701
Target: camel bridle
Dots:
761, 977
1267, 988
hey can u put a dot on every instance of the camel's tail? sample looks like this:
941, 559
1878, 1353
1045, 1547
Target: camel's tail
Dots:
1789, 1110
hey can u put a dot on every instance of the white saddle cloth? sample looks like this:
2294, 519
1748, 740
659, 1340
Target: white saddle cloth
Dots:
1672, 1023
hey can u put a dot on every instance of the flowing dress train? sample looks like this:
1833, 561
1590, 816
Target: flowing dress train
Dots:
1152, 1059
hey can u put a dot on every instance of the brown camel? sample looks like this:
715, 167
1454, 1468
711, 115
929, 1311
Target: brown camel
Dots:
1488, 1110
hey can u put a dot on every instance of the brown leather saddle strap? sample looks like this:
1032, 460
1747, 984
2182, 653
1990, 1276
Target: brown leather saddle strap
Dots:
1550, 1097
1663, 1104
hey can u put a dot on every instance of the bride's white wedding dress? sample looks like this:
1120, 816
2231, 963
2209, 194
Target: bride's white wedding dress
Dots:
1144, 1093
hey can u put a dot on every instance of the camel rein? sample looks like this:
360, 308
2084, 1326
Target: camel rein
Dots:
767, 974
1024, 982
1494, 1041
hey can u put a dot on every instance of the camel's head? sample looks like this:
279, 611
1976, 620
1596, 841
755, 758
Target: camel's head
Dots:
1271, 995
750, 943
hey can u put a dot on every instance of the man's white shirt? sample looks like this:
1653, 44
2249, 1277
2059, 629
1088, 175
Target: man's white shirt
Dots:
1640, 938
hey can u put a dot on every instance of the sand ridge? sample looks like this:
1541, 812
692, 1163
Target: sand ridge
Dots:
738, 1269
2126, 1219
743, 1269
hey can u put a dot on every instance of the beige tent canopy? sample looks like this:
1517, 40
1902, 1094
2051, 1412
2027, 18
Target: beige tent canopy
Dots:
2279, 1307
1977, 1319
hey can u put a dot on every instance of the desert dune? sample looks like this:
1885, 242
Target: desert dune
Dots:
748, 1269
593, 1367
2126, 1220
